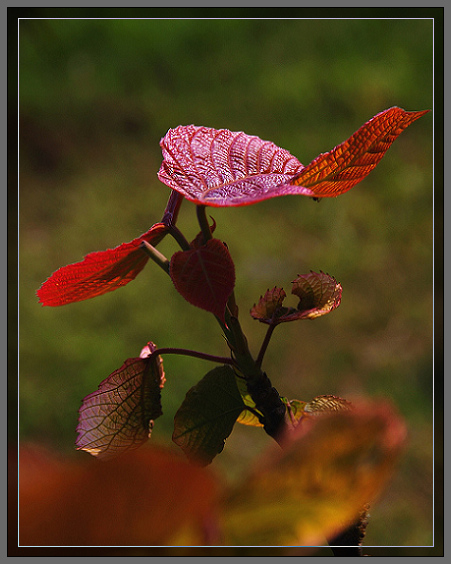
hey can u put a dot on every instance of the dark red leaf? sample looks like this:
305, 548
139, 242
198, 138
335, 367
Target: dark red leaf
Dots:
99, 272
204, 276
224, 168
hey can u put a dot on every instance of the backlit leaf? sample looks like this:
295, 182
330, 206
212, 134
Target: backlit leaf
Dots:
318, 483
204, 276
250, 415
99, 272
207, 415
218, 167
119, 416
318, 295
337, 171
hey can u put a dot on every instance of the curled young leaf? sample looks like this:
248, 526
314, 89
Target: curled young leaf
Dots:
318, 294
218, 167
119, 416
204, 276
99, 272
269, 308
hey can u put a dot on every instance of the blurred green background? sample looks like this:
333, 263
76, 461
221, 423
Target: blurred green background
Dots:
96, 96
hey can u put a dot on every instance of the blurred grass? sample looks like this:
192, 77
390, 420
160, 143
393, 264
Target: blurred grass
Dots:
96, 96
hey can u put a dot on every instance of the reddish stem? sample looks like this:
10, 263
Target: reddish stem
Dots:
195, 354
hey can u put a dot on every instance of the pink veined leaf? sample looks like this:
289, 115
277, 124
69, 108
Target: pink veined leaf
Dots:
218, 167
318, 295
204, 275
119, 416
99, 272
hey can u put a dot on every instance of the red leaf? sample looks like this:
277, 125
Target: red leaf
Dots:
118, 417
204, 276
224, 168
337, 171
99, 272
218, 167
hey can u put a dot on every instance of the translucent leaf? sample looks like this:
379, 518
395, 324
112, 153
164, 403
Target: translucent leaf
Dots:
218, 167
337, 171
250, 415
318, 295
204, 276
207, 415
99, 272
318, 483
119, 416
224, 168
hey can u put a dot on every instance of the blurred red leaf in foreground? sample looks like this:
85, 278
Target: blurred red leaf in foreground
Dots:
144, 498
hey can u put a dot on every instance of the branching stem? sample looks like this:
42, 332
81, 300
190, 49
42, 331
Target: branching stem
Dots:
195, 354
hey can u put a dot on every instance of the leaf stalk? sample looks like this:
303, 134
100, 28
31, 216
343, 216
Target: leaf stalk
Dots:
156, 256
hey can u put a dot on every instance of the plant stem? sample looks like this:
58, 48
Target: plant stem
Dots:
195, 354
265, 344
179, 237
156, 256
265, 396
172, 209
203, 222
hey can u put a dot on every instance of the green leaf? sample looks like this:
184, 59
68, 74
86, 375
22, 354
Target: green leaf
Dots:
207, 415
119, 416
249, 416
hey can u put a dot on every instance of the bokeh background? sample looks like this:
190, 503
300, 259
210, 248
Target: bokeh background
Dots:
96, 96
